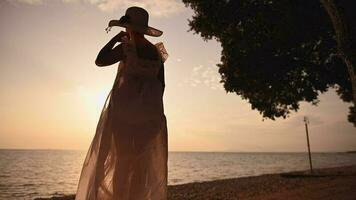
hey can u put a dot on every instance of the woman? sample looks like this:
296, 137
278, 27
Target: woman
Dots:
127, 159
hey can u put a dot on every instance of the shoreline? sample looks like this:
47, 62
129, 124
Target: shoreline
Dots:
337, 183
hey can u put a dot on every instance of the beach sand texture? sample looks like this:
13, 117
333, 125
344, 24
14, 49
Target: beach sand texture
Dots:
326, 184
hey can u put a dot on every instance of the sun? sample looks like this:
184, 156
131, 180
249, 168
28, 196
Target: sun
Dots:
92, 100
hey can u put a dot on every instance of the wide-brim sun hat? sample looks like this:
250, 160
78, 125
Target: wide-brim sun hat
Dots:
136, 19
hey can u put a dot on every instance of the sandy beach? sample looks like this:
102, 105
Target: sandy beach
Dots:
337, 183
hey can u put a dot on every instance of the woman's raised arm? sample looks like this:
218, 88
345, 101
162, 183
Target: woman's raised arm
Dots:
109, 54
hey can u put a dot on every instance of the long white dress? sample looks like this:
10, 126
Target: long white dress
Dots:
127, 159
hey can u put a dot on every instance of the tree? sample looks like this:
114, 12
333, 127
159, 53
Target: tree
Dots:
276, 54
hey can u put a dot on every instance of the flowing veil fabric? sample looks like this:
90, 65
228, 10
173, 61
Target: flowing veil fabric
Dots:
127, 159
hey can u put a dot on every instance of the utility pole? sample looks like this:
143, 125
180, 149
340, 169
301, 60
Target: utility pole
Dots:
306, 122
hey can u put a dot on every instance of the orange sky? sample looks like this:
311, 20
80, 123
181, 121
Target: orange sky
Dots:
51, 92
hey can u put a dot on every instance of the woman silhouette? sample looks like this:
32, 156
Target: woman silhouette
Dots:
127, 159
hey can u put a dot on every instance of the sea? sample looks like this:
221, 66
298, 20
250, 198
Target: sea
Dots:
28, 174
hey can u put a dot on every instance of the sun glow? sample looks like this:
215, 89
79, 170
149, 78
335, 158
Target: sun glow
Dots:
92, 100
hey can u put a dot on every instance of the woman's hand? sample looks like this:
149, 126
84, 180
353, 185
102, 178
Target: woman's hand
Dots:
120, 37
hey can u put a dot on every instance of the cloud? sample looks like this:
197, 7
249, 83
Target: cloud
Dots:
205, 76
28, 1
158, 8
154, 7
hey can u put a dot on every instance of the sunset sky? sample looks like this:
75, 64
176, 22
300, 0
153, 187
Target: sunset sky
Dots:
51, 92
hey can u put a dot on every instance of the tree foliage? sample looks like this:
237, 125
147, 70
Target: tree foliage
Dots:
275, 54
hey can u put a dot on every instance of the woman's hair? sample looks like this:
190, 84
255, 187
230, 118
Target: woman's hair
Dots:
135, 32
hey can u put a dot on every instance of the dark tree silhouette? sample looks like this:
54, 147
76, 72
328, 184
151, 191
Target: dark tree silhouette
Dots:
277, 53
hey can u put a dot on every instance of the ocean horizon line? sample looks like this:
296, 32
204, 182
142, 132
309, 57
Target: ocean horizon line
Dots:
229, 151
